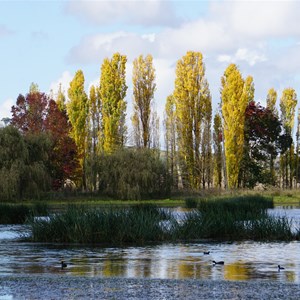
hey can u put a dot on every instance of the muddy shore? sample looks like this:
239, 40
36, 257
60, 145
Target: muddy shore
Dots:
70, 287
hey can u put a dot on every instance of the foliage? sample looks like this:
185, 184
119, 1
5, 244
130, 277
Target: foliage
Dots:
38, 115
29, 113
193, 108
170, 139
271, 101
77, 109
261, 146
288, 104
112, 93
235, 97
143, 93
217, 145
23, 164
133, 174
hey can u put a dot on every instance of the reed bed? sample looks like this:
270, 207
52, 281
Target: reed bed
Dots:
136, 224
222, 219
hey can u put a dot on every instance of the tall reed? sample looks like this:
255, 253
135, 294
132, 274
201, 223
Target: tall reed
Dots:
135, 224
221, 219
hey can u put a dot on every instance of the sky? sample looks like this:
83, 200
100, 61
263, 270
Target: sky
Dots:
46, 42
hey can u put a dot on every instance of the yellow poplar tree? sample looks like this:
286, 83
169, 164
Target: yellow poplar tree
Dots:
217, 139
112, 94
61, 99
235, 95
170, 137
191, 93
93, 137
271, 100
77, 109
288, 102
143, 93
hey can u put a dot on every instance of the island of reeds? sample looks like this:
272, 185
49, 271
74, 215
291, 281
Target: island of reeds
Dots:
240, 218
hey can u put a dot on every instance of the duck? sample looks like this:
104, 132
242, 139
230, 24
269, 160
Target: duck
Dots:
218, 262
206, 252
280, 268
63, 265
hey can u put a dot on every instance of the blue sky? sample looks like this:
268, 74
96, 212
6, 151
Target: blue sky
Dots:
47, 41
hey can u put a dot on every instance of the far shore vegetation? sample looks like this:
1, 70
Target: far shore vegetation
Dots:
78, 143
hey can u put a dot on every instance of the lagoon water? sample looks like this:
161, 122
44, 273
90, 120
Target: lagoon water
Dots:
245, 260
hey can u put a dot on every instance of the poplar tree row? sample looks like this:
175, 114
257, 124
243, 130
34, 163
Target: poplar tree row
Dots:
242, 145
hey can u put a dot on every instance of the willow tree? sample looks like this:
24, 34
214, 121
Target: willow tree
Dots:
288, 102
112, 94
143, 94
77, 109
234, 96
192, 100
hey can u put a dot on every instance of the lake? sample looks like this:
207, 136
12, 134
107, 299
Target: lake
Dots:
244, 261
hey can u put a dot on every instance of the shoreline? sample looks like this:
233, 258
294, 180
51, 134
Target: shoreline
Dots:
77, 287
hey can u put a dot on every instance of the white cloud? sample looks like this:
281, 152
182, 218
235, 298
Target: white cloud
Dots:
5, 108
94, 48
4, 31
147, 13
64, 80
243, 54
241, 32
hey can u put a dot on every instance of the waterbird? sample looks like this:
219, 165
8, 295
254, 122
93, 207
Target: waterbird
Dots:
63, 265
206, 252
218, 262
280, 268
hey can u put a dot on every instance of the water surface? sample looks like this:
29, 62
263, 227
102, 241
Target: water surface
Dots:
246, 260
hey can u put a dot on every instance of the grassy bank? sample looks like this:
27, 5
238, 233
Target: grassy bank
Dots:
235, 219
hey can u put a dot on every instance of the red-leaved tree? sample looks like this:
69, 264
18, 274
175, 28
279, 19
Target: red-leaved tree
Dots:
37, 114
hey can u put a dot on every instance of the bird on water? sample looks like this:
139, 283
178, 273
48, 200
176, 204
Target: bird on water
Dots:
206, 252
63, 265
218, 262
280, 268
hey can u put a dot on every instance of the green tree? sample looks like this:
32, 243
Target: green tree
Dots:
23, 164
262, 144
112, 93
77, 109
235, 96
133, 174
143, 93
191, 96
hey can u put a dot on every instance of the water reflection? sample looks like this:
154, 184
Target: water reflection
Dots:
243, 260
